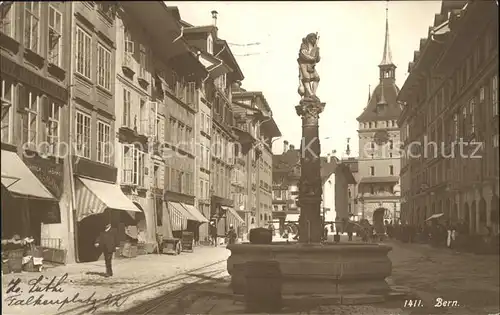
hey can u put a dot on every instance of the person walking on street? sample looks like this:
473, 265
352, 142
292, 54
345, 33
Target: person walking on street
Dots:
213, 233
231, 235
107, 243
349, 229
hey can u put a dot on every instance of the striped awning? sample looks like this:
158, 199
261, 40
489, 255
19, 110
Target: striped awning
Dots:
233, 217
195, 213
93, 197
19, 180
179, 216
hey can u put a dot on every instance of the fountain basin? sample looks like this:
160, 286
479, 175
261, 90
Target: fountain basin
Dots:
331, 268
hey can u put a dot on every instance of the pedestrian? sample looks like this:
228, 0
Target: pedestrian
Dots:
349, 230
231, 235
213, 233
107, 243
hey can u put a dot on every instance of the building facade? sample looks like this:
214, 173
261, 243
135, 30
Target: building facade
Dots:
451, 98
36, 70
217, 92
354, 206
379, 160
256, 129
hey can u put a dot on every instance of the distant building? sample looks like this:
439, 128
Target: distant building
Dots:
336, 178
379, 160
451, 96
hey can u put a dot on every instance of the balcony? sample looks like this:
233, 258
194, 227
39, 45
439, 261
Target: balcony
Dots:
128, 65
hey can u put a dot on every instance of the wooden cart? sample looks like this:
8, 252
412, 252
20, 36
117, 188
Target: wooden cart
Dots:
187, 240
171, 246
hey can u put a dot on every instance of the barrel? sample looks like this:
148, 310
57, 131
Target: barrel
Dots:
261, 236
263, 287
238, 278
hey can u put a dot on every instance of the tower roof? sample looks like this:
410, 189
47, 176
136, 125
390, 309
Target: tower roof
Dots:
387, 55
384, 94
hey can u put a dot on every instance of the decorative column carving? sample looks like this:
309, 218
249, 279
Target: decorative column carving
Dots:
310, 188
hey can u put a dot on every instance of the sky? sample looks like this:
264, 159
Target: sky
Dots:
265, 38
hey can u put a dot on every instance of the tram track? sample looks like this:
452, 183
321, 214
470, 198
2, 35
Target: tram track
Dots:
178, 278
149, 307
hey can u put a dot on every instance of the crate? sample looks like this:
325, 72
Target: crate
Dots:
129, 251
141, 249
15, 260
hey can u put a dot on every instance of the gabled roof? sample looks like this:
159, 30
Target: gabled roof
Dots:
200, 29
224, 50
388, 92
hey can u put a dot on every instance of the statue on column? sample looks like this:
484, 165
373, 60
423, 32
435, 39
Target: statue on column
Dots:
308, 58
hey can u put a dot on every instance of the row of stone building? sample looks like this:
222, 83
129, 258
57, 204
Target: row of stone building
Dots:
125, 113
451, 98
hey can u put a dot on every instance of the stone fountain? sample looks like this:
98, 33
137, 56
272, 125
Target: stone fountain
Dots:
309, 267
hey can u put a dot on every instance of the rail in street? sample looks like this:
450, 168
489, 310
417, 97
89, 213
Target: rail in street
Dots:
178, 283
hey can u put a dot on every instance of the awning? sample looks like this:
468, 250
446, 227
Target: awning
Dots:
379, 179
93, 197
292, 217
435, 216
179, 216
195, 213
232, 216
19, 180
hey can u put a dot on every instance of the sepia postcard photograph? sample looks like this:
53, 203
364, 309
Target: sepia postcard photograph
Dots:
250, 157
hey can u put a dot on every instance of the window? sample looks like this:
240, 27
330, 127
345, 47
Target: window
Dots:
127, 120
103, 142
52, 119
30, 102
7, 19
82, 135
391, 170
349, 193
208, 124
372, 170
481, 94
391, 144
191, 93
201, 189
31, 26
202, 122
128, 48
143, 56
7, 99
127, 164
83, 55
210, 45
55, 36
139, 168
472, 103
494, 95
103, 67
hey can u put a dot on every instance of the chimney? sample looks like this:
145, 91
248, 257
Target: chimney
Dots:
214, 18
328, 157
285, 146
292, 147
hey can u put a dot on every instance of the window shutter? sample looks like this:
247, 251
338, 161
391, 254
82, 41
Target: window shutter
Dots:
23, 100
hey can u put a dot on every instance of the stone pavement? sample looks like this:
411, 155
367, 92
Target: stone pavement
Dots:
85, 280
431, 273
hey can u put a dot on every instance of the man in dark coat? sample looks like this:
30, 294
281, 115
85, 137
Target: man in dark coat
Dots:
107, 242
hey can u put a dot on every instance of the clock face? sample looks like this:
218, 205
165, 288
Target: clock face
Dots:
381, 137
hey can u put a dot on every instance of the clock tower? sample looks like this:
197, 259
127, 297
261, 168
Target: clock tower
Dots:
379, 156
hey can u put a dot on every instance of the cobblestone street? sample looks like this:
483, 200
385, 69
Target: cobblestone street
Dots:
470, 280
85, 280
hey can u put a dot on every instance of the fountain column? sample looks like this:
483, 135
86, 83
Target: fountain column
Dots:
310, 188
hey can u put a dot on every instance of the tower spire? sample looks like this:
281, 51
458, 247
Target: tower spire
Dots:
369, 92
387, 55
